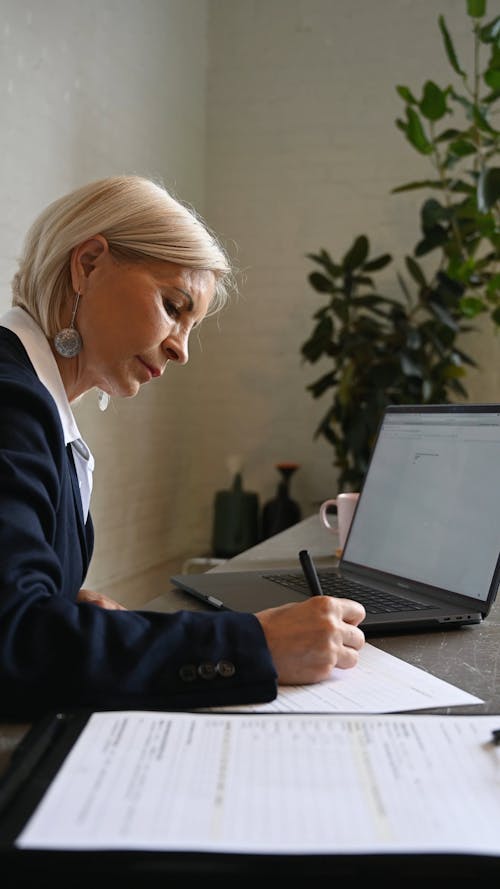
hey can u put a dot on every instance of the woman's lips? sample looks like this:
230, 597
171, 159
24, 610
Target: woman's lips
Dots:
154, 371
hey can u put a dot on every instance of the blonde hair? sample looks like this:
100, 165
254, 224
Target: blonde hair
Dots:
140, 220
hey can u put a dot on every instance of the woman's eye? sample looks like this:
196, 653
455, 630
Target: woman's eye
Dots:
171, 308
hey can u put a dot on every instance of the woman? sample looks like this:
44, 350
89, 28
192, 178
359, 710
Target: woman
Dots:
112, 279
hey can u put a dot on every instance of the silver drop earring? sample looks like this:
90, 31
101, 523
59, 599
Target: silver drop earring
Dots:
102, 399
68, 342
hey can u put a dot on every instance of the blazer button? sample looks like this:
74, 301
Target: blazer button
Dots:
206, 670
187, 672
225, 669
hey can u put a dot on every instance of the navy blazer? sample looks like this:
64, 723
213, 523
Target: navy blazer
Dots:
57, 653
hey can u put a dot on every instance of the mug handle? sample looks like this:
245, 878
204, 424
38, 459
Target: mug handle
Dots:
323, 513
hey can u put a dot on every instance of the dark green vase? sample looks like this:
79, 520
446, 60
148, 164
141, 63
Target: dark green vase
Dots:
281, 512
236, 520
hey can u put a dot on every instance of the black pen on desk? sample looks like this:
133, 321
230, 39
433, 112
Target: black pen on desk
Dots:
310, 573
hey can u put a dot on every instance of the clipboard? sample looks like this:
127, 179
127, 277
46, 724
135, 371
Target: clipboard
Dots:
38, 759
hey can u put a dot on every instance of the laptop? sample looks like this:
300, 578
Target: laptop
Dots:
423, 549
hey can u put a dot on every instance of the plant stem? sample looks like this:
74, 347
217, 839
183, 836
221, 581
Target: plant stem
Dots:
446, 192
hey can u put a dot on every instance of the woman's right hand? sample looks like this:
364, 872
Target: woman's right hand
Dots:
100, 600
308, 639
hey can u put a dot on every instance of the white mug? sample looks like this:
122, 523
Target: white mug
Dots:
346, 505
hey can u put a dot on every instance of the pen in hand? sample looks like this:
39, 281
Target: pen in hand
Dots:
310, 573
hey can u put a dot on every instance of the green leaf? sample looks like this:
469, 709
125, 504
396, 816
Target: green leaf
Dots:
433, 104
452, 371
491, 32
466, 103
415, 132
448, 134
493, 285
448, 286
404, 288
434, 237
462, 148
421, 183
406, 95
496, 315
415, 271
491, 78
459, 186
431, 214
466, 359
341, 309
488, 188
450, 49
476, 8
471, 306
320, 283
357, 280
320, 386
323, 258
357, 254
409, 367
482, 121
491, 97
325, 430
319, 341
443, 315
372, 299
379, 262
458, 388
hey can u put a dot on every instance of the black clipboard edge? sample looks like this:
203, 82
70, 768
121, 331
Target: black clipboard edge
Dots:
34, 764
148, 870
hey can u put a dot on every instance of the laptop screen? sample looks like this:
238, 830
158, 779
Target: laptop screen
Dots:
430, 506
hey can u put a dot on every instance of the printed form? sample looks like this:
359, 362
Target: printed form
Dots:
380, 683
271, 783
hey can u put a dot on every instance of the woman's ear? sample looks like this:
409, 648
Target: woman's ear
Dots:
84, 258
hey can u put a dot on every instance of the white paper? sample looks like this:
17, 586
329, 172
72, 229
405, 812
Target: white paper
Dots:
380, 683
275, 784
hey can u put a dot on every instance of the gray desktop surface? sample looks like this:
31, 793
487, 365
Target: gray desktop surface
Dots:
467, 657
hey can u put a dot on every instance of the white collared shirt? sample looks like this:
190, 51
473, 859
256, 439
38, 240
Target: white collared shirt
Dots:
36, 344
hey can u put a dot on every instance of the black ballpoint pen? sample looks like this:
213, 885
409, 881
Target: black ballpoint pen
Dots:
310, 573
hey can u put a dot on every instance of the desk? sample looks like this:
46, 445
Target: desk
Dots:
468, 657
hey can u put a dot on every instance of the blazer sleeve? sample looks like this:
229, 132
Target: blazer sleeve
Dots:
57, 653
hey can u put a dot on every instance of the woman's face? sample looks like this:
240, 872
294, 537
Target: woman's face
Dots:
133, 319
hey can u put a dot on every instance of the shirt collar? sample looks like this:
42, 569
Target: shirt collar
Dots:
37, 346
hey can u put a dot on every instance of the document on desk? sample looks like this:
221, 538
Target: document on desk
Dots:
380, 683
291, 784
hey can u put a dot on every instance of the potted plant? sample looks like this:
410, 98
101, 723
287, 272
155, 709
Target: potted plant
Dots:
384, 350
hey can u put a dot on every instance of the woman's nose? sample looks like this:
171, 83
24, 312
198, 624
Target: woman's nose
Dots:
176, 348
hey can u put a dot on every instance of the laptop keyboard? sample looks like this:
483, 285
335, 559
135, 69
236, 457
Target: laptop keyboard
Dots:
332, 584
